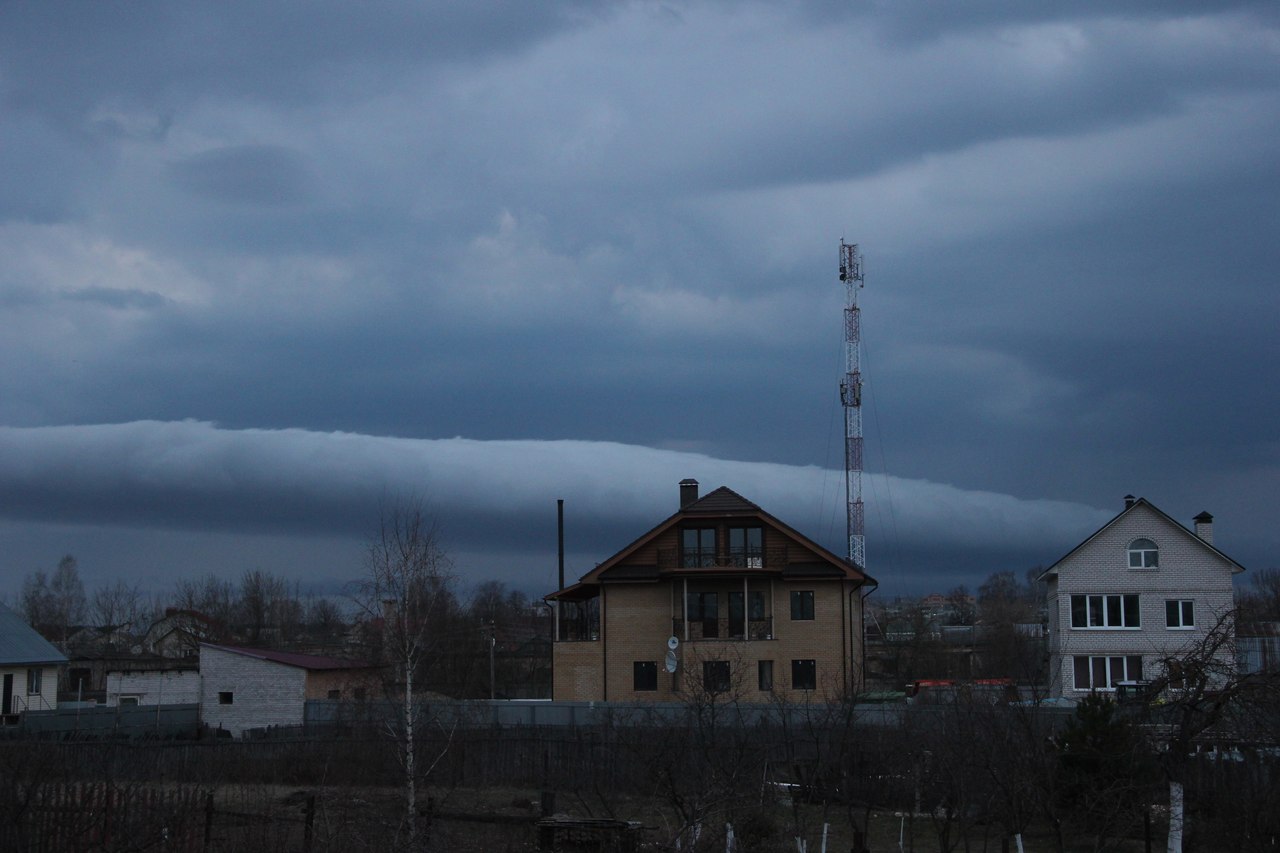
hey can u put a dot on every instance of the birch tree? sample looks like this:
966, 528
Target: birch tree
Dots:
407, 576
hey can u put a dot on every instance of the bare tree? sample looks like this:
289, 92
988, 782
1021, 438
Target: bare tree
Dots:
209, 595
52, 604
117, 604
407, 574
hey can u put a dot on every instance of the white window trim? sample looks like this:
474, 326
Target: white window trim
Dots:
1104, 596
1108, 659
1131, 550
1181, 626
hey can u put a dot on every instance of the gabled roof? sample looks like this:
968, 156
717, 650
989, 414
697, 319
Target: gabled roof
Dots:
301, 661
720, 503
21, 644
1236, 568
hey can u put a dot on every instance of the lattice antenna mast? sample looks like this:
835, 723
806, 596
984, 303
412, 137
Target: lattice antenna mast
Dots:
851, 396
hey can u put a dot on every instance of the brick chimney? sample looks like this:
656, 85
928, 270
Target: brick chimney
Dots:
1204, 527
688, 492
1129, 501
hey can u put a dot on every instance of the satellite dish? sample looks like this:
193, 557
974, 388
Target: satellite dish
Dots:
673, 643
671, 661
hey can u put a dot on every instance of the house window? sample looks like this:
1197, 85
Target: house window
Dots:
1180, 613
225, 697
644, 675
715, 676
35, 678
1102, 673
1143, 554
746, 547
335, 694
704, 607
1105, 611
764, 670
801, 604
804, 675
698, 547
128, 701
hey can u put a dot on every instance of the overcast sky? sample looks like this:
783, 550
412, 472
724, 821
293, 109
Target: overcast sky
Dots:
266, 266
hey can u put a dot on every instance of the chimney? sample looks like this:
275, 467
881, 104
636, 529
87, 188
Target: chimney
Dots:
1129, 501
1204, 527
688, 492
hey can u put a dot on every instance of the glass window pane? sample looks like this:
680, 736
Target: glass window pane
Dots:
1082, 672
1132, 618
1095, 611
1117, 671
1171, 614
1133, 668
1079, 612
1114, 618
766, 674
1099, 673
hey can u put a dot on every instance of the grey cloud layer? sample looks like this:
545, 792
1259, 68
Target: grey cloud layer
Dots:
487, 494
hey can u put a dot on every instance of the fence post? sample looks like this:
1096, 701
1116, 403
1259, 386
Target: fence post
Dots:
208, 818
310, 824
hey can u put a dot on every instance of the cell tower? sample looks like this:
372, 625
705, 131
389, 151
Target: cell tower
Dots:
851, 396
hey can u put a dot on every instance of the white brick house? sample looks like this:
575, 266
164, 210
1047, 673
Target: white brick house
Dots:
243, 688
1139, 589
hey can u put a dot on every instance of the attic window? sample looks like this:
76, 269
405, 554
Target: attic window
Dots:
1143, 554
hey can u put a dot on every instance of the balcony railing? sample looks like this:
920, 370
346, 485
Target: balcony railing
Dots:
767, 558
723, 628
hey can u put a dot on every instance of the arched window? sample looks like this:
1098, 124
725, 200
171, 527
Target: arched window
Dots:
1143, 554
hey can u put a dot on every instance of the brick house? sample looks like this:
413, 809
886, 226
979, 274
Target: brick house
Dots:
28, 668
242, 688
1141, 588
731, 598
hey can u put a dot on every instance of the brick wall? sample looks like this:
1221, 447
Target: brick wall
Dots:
262, 693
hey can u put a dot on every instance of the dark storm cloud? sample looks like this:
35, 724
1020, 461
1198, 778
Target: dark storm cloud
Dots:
615, 223
245, 174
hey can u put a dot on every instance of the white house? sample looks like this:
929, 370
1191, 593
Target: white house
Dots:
1140, 589
28, 668
242, 688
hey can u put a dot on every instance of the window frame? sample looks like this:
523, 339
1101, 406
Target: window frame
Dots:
743, 552
35, 680
764, 675
644, 676
1110, 611
1180, 614
799, 597
1104, 664
226, 697
717, 676
804, 674
699, 554
1147, 553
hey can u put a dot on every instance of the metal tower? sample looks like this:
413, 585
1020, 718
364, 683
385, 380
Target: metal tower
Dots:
851, 396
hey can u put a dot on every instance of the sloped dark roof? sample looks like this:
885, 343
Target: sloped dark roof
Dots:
22, 644
722, 501
301, 661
